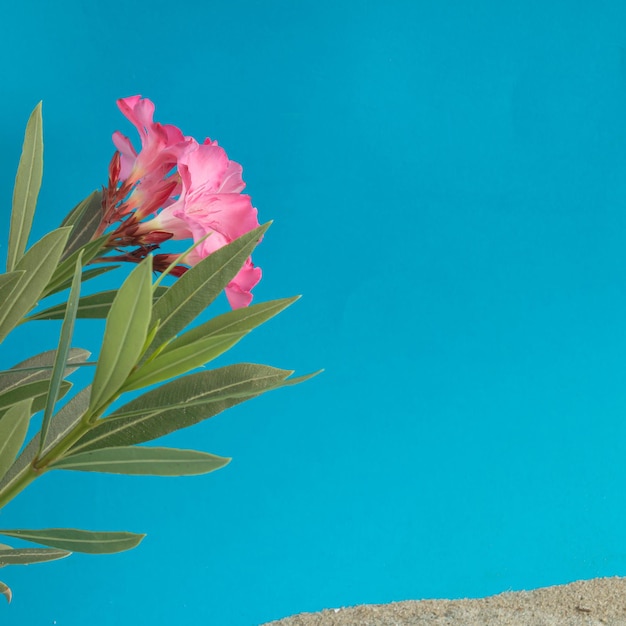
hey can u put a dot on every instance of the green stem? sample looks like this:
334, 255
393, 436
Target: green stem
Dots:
13, 488
40, 465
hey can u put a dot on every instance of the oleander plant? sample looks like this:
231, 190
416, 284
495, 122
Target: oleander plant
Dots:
172, 188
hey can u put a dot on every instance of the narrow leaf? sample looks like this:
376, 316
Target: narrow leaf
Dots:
75, 214
26, 190
63, 349
180, 259
238, 321
13, 429
95, 306
93, 272
32, 390
39, 264
8, 283
66, 269
38, 368
84, 219
199, 286
181, 403
124, 335
88, 274
143, 461
171, 363
6, 591
26, 556
39, 401
63, 422
74, 540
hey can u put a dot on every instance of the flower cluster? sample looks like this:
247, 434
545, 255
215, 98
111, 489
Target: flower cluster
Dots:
176, 188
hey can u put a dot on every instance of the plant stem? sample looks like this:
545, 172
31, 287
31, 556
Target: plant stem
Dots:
40, 465
24, 479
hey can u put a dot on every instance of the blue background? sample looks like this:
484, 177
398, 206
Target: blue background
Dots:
448, 184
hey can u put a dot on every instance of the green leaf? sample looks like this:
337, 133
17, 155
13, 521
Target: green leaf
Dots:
26, 556
66, 419
181, 403
75, 214
39, 264
180, 259
84, 219
63, 422
143, 461
63, 350
238, 321
39, 402
124, 335
171, 363
32, 390
66, 269
38, 368
197, 288
26, 190
95, 306
13, 429
88, 274
93, 272
6, 591
74, 540
8, 283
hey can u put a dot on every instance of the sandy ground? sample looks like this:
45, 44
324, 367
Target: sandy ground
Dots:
597, 602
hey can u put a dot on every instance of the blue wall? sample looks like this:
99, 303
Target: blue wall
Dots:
447, 182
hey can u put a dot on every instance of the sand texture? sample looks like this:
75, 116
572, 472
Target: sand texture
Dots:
597, 602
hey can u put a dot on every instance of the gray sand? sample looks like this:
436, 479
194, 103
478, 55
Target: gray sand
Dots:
597, 602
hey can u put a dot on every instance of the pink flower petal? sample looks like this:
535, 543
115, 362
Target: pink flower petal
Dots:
232, 181
139, 111
230, 214
167, 221
238, 290
127, 152
161, 146
203, 168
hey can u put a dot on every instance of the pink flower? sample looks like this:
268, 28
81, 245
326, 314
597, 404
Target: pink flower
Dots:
210, 202
189, 189
161, 144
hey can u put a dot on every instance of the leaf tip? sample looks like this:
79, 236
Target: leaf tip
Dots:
6, 592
